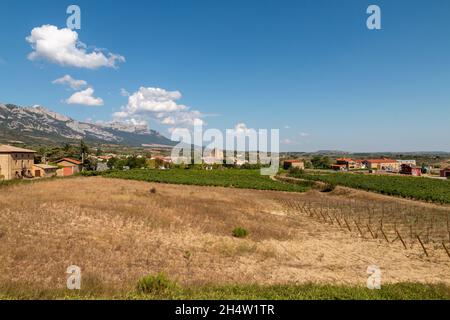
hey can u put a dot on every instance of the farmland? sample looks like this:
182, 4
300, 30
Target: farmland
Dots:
247, 179
426, 189
119, 231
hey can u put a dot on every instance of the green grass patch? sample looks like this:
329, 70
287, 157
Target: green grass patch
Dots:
158, 284
7, 183
420, 188
168, 290
240, 232
235, 178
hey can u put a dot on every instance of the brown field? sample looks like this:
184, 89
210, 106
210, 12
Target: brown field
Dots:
117, 231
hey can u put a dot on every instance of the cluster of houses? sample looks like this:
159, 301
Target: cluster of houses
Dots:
445, 173
18, 163
408, 167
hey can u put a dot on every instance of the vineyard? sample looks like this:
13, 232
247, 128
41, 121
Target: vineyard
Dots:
412, 226
426, 189
248, 179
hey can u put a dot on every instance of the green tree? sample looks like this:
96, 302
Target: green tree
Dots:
84, 150
319, 162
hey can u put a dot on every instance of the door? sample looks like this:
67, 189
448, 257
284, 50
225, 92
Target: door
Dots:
67, 171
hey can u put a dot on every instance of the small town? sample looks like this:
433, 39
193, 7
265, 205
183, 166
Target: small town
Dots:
20, 163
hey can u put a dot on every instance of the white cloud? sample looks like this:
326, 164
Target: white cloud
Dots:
154, 100
71, 82
160, 105
120, 115
304, 134
61, 46
287, 141
241, 128
85, 98
168, 120
124, 93
287, 127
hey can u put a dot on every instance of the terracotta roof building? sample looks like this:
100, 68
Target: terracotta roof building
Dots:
68, 167
293, 163
445, 173
383, 164
16, 163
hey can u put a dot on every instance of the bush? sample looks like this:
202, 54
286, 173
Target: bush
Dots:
295, 171
153, 190
90, 173
240, 232
156, 284
328, 187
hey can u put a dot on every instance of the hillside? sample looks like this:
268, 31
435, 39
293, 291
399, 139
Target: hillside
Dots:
38, 125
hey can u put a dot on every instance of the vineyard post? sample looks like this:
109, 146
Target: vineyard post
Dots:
423, 247
357, 226
384, 234
401, 239
370, 230
349, 229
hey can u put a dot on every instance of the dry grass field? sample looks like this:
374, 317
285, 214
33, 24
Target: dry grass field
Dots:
118, 231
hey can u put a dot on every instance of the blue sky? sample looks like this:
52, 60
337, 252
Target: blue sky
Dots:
310, 68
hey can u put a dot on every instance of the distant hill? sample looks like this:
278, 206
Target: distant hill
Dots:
38, 125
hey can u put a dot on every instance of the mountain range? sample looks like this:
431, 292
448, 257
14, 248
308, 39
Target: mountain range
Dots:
38, 125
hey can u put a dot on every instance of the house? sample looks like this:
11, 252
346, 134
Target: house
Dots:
68, 167
382, 164
214, 156
103, 158
44, 171
294, 163
346, 164
16, 163
445, 173
411, 170
165, 162
102, 166
408, 162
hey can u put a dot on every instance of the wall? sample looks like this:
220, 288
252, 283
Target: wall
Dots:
14, 162
4, 166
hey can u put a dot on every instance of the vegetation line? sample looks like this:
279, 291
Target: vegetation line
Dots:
163, 290
231, 178
427, 189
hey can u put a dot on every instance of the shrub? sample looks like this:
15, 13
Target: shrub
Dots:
295, 171
240, 232
90, 173
153, 190
156, 284
328, 187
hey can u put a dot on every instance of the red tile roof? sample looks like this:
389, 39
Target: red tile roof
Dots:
345, 159
69, 160
382, 161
